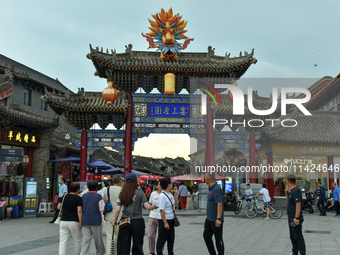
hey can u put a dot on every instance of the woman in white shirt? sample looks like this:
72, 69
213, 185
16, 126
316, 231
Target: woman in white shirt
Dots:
153, 219
166, 228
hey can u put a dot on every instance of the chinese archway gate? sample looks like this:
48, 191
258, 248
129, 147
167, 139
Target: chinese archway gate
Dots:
134, 70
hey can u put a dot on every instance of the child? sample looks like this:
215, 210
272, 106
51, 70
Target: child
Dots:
248, 193
266, 198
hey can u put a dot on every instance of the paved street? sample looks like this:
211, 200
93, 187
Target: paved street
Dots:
241, 235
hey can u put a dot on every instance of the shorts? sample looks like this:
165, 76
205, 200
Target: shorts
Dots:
248, 199
266, 205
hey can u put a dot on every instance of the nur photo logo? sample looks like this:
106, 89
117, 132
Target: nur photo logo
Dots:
238, 101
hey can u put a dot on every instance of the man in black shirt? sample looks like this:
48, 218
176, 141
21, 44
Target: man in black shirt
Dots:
295, 217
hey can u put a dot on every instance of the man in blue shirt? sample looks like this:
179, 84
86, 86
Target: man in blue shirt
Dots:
321, 201
336, 199
215, 217
62, 192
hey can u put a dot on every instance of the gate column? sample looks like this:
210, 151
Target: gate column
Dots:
128, 136
252, 158
330, 162
269, 179
209, 136
83, 155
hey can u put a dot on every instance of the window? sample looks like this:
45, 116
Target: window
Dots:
28, 97
43, 106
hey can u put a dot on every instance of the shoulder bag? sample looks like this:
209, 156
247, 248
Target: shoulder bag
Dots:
57, 221
126, 220
108, 205
176, 221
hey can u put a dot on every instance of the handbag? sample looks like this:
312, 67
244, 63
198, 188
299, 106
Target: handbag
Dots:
176, 221
57, 221
126, 220
108, 205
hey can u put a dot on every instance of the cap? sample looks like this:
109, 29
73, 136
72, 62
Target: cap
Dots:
130, 177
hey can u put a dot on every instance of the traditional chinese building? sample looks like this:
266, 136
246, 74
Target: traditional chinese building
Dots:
29, 124
311, 149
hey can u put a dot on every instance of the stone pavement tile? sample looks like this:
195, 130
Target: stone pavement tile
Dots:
330, 252
241, 236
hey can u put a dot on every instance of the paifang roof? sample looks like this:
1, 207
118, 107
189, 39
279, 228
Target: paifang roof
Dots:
187, 62
20, 117
84, 109
84, 102
26, 73
319, 128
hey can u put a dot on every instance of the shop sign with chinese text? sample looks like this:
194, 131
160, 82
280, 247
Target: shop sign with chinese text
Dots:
19, 138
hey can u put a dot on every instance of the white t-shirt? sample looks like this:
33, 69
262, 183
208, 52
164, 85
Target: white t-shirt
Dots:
154, 200
165, 205
114, 196
265, 194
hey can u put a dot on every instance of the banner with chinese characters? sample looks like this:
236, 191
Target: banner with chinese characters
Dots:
19, 138
169, 110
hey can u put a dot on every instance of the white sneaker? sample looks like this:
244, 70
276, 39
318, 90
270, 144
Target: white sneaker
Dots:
266, 218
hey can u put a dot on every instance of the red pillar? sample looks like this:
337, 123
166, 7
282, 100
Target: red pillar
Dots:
83, 155
252, 158
269, 179
209, 138
29, 172
330, 162
128, 136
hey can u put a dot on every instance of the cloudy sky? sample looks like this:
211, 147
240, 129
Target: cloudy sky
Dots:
289, 38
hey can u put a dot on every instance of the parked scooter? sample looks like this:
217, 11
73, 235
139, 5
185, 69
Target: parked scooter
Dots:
309, 202
329, 203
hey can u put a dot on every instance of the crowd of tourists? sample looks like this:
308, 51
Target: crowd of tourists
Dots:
80, 215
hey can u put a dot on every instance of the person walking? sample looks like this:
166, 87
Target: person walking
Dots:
62, 192
93, 206
166, 226
175, 189
183, 195
266, 198
321, 201
336, 193
113, 193
295, 217
131, 198
148, 192
153, 218
215, 216
72, 208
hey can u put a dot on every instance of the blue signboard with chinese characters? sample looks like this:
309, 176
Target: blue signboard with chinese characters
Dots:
169, 110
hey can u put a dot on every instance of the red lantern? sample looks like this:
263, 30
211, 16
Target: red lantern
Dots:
110, 93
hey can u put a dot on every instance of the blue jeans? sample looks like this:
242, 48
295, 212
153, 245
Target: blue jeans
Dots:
321, 205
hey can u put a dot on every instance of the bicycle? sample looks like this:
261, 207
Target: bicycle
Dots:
251, 210
239, 204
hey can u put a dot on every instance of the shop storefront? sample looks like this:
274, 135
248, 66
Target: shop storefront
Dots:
310, 163
14, 166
